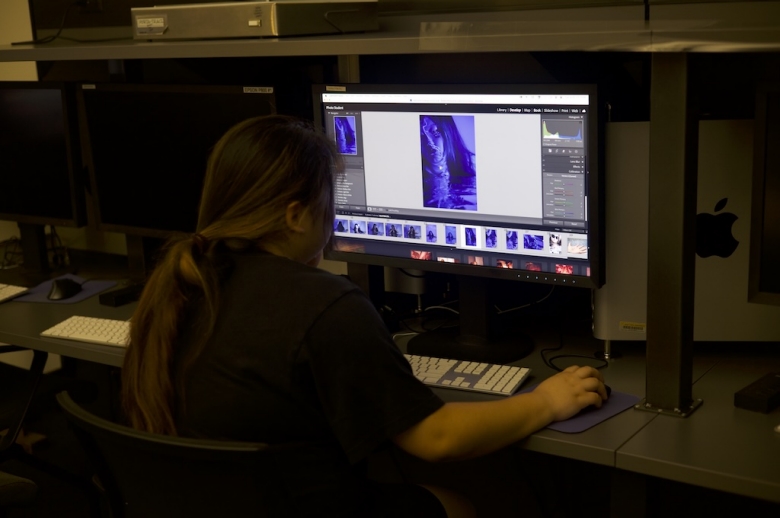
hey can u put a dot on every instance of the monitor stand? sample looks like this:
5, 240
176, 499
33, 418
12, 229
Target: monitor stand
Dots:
35, 255
479, 337
141, 256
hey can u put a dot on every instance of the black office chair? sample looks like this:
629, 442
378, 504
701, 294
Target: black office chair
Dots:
149, 475
15, 492
25, 394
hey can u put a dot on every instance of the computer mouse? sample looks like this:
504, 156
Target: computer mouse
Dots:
64, 288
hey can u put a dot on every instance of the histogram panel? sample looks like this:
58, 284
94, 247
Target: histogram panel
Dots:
562, 132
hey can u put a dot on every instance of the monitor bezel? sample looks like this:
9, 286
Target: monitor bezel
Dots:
595, 183
75, 166
134, 230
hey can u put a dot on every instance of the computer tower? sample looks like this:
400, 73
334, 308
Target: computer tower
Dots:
721, 308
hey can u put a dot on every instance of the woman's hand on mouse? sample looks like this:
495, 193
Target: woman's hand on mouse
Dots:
571, 390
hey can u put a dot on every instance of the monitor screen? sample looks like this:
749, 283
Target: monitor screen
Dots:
148, 146
483, 180
40, 162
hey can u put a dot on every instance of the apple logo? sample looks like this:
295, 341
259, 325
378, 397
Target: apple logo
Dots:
713, 232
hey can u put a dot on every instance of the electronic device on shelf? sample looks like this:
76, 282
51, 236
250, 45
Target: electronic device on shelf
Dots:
40, 160
489, 378
10, 291
480, 181
146, 150
253, 19
101, 331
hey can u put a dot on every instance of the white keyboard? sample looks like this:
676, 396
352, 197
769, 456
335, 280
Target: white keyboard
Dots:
93, 330
9, 291
489, 378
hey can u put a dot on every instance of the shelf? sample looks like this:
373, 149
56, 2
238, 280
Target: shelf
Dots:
712, 27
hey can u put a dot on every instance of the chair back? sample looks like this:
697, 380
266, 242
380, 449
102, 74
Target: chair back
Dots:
15, 491
149, 475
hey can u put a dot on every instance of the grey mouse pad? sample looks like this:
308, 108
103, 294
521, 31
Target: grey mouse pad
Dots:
88, 289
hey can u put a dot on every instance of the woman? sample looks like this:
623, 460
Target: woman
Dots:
238, 336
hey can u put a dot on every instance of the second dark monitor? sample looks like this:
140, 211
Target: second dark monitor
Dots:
147, 147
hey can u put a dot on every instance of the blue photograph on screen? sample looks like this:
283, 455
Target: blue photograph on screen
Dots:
449, 174
491, 238
392, 230
511, 239
412, 231
451, 234
533, 242
358, 227
346, 140
340, 225
471, 236
376, 229
431, 233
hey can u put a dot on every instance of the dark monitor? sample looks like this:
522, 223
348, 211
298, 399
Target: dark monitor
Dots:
148, 146
764, 279
40, 159
41, 173
480, 181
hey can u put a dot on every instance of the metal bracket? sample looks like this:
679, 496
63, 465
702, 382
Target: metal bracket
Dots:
676, 412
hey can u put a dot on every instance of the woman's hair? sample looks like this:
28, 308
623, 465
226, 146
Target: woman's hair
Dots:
460, 161
254, 172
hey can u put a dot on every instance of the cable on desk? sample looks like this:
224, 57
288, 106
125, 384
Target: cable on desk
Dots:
59, 251
7, 262
413, 275
550, 361
500, 311
423, 328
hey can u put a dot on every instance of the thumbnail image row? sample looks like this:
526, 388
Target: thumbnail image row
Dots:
349, 245
511, 263
470, 236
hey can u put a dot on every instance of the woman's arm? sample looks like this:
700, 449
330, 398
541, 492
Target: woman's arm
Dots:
465, 430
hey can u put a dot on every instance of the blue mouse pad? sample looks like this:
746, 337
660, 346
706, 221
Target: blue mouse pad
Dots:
591, 416
88, 289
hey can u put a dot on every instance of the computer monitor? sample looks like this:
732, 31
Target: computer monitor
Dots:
147, 148
479, 181
40, 163
764, 281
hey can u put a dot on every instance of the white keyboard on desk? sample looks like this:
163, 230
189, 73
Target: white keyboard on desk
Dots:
9, 291
489, 378
102, 331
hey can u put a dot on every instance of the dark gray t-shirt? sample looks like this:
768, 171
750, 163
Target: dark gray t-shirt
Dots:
299, 355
